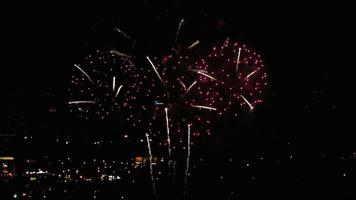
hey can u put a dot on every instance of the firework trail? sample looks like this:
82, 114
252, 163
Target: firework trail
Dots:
203, 73
154, 68
250, 74
182, 84
126, 36
81, 102
113, 83
238, 60
248, 103
187, 162
204, 107
151, 167
178, 30
158, 103
198, 70
190, 87
168, 139
193, 45
118, 90
120, 54
77, 66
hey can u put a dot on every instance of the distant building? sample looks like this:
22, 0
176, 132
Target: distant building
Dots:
144, 159
7, 167
7, 161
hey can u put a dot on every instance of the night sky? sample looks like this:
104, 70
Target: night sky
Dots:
299, 144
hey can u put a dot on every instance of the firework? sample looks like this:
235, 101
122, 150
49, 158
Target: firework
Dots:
170, 91
113, 88
240, 77
184, 81
229, 81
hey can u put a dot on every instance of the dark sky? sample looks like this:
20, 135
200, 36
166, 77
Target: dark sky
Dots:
306, 47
